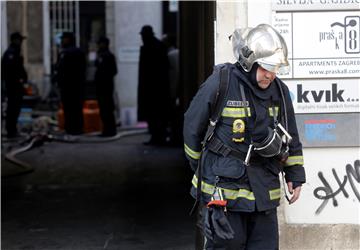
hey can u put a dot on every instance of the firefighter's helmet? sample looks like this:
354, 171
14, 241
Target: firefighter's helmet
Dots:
262, 44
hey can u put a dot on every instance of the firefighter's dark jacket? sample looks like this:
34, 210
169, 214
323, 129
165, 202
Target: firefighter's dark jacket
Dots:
247, 188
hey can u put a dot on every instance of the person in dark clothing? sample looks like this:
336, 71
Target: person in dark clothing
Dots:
14, 75
153, 89
237, 156
106, 69
175, 121
70, 77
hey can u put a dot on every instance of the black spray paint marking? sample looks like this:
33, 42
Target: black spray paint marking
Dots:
326, 192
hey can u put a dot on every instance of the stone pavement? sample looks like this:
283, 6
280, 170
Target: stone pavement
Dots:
86, 196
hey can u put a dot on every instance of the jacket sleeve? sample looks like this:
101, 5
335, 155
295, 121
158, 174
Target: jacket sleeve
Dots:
197, 117
293, 168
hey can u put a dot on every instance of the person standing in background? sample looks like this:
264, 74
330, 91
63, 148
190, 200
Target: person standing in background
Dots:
153, 90
106, 69
14, 75
175, 113
70, 76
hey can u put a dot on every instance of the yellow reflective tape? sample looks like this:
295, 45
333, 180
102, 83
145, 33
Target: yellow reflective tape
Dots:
230, 194
275, 194
295, 160
271, 113
235, 112
193, 154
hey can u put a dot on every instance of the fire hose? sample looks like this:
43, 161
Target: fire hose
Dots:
39, 139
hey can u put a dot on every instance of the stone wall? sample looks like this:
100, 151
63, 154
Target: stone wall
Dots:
26, 17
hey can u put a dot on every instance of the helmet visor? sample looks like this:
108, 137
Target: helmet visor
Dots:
277, 68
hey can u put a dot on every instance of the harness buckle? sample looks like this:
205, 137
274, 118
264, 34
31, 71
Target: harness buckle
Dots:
224, 151
213, 123
248, 155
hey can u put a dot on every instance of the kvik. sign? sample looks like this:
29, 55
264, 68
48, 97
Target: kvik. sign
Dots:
332, 95
325, 96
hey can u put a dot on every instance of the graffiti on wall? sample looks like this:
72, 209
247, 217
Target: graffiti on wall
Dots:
343, 186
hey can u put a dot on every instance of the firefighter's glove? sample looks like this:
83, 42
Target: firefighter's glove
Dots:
217, 224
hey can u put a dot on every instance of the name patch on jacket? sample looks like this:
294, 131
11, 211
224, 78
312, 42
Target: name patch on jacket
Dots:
237, 103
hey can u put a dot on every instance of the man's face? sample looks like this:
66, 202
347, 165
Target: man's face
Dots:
264, 77
17, 41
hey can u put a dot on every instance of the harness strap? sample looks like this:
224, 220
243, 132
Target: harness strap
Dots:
218, 147
216, 108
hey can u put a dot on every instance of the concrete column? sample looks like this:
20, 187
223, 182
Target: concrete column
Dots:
24, 31
128, 19
259, 11
229, 16
4, 34
225, 25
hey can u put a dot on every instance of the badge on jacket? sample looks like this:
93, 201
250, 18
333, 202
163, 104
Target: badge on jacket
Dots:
238, 130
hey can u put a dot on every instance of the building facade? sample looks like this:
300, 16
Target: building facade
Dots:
323, 38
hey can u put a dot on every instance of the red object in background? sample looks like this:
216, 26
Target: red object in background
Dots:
91, 112
60, 117
92, 121
28, 90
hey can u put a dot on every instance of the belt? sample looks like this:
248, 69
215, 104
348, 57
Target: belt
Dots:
218, 147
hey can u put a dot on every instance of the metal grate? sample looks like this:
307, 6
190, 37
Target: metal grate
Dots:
64, 17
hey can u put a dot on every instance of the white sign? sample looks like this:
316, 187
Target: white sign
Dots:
129, 54
321, 44
325, 96
331, 193
287, 5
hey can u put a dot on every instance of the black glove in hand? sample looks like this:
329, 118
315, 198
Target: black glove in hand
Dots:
208, 226
217, 224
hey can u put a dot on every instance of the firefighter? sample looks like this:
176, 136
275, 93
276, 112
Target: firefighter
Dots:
237, 166
70, 77
106, 69
14, 75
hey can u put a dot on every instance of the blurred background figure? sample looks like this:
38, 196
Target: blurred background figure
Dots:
153, 90
70, 77
170, 42
106, 69
14, 75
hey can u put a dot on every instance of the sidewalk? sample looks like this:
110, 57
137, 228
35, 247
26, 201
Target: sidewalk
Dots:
84, 196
